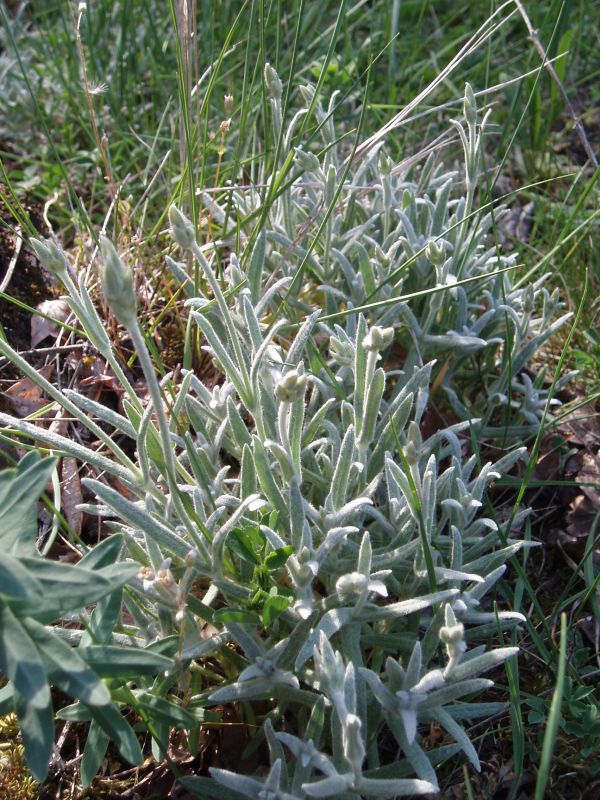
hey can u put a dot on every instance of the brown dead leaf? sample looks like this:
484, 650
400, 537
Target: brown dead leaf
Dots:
93, 376
582, 427
583, 509
71, 494
548, 467
41, 328
25, 396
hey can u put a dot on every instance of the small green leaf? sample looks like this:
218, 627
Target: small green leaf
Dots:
241, 542
104, 554
76, 712
37, 731
239, 615
17, 583
112, 661
93, 753
278, 558
273, 607
66, 668
19, 492
120, 731
166, 711
20, 661
65, 587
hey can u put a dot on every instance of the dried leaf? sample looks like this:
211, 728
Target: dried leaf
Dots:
582, 426
41, 328
548, 467
93, 376
26, 397
71, 494
584, 509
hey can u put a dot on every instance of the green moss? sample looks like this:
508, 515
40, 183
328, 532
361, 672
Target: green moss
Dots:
15, 780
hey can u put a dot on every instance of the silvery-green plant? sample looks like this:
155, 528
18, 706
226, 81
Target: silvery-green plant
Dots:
341, 557
390, 232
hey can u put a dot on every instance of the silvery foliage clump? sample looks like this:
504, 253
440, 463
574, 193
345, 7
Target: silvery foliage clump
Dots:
392, 232
342, 559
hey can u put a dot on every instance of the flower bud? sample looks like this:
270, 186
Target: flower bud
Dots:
351, 584
182, 229
378, 338
147, 577
341, 352
453, 631
51, 256
291, 387
435, 253
354, 748
528, 299
411, 453
453, 634
306, 161
385, 164
273, 82
228, 103
470, 105
117, 284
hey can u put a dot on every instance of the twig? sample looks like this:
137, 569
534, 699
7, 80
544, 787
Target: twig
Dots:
101, 141
13, 261
550, 67
46, 351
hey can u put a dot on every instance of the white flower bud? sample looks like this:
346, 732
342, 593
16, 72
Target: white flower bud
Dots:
351, 584
182, 229
470, 105
49, 255
273, 82
147, 577
435, 253
117, 284
341, 352
165, 578
411, 453
385, 164
378, 338
453, 634
290, 387
306, 161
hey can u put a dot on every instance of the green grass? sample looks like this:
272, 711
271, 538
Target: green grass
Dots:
153, 137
